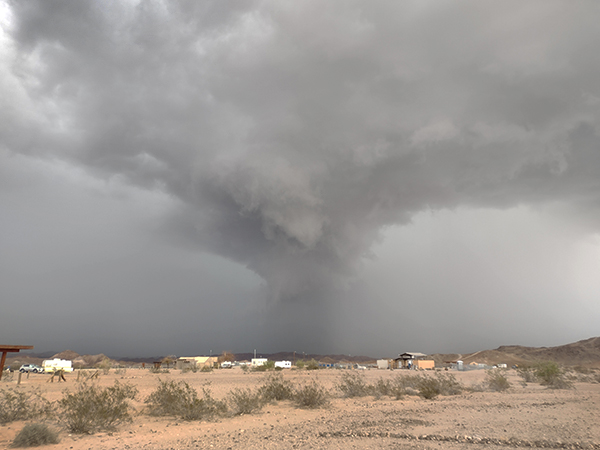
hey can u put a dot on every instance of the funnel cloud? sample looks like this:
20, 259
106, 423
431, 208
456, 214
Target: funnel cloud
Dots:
182, 177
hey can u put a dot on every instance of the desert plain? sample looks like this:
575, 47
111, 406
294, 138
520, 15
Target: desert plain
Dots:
525, 416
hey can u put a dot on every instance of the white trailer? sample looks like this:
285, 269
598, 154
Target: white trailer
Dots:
383, 364
52, 365
258, 362
283, 364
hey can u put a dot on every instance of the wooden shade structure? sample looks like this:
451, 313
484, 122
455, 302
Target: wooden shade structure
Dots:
13, 349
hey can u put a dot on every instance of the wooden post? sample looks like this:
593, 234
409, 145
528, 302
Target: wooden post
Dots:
10, 348
2, 361
19, 380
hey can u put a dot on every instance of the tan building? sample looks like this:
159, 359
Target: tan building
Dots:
196, 361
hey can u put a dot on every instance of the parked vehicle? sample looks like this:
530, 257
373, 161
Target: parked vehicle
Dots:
31, 368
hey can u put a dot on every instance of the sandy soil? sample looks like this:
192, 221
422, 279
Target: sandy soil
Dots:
524, 417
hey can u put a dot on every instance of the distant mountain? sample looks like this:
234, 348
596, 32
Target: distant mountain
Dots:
582, 353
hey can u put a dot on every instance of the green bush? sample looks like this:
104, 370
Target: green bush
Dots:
181, 400
206, 369
90, 408
312, 365
300, 364
550, 374
244, 401
269, 365
17, 405
34, 435
311, 396
353, 384
275, 388
495, 380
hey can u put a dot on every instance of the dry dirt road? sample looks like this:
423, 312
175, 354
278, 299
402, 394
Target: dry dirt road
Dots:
524, 417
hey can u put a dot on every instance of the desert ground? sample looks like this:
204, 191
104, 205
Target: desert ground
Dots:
525, 416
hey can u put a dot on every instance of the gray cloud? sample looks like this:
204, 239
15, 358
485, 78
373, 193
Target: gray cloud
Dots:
287, 137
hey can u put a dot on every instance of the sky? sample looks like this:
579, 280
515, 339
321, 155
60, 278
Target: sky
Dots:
181, 177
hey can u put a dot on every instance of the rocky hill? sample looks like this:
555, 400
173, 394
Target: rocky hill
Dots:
584, 353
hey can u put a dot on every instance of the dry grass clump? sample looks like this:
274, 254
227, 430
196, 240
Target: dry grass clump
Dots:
244, 401
527, 374
17, 405
427, 386
311, 396
34, 435
495, 380
181, 400
353, 385
90, 409
275, 388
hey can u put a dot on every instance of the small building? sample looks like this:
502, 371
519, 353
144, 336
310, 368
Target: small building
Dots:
196, 362
414, 360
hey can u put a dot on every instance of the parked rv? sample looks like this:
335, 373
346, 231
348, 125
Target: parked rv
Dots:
52, 365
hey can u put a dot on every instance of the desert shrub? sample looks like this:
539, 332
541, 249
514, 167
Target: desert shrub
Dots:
449, 385
312, 365
189, 368
582, 370
181, 400
245, 368
8, 376
206, 369
275, 388
311, 396
105, 365
408, 382
90, 408
353, 384
527, 374
269, 365
34, 435
244, 401
300, 364
429, 387
550, 374
495, 380
383, 387
16, 405
159, 370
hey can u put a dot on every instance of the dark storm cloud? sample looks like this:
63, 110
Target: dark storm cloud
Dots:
291, 133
